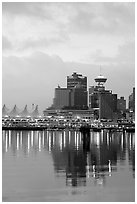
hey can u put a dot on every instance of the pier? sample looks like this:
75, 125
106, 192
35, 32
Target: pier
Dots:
61, 124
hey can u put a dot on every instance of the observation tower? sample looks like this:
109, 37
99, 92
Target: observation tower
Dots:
100, 80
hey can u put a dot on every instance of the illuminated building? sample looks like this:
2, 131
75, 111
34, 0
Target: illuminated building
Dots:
102, 101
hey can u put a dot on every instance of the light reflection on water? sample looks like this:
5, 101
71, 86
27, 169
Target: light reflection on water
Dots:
57, 161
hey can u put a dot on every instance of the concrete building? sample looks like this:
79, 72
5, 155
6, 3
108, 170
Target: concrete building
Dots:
102, 101
75, 98
76, 79
62, 98
121, 104
72, 97
131, 104
70, 114
78, 98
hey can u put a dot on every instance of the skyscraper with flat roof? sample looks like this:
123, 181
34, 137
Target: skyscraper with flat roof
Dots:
131, 103
62, 98
74, 96
78, 98
78, 86
121, 104
76, 79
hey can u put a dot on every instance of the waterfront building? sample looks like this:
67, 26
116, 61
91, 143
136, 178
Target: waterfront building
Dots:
76, 79
74, 96
78, 98
25, 112
35, 112
4, 111
114, 102
131, 103
131, 106
62, 98
121, 104
14, 112
70, 113
102, 101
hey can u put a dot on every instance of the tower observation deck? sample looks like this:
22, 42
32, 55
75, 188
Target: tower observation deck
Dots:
100, 80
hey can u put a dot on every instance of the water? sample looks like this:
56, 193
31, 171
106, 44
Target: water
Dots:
59, 166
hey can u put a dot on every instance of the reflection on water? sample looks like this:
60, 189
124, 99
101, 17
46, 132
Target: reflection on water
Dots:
79, 162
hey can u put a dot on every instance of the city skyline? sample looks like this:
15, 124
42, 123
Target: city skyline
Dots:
44, 42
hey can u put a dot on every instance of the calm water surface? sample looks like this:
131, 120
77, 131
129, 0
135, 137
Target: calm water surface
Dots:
59, 166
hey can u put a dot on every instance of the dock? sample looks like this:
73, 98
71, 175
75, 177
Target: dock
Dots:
62, 124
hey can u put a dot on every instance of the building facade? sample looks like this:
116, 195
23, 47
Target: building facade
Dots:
121, 104
78, 98
76, 79
104, 102
62, 98
131, 104
74, 96
70, 114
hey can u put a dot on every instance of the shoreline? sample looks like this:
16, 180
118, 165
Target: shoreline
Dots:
81, 129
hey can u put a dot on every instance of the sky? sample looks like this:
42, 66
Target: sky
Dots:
43, 43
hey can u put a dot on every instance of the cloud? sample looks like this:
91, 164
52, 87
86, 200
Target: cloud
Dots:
104, 18
34, 9
42, 42
77, 28
101, 18
45, 42
6, 44
25, 30
125, 55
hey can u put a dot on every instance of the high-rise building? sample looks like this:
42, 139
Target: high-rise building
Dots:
121, 104
102, 101
62, 98
114, 102
131, 103
78, 86
78, 98
74, 96
76, 79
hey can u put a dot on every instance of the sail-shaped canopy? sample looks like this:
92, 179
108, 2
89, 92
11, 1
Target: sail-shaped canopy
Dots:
5, 111
25, 112
14, 112
35, 113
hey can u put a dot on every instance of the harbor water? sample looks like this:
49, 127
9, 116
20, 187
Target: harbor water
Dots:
60, 166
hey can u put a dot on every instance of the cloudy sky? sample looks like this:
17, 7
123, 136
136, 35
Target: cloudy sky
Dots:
42, 43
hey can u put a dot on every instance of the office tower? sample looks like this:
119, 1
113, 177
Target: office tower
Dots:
131, 104
121, 104
78, 86
102, 101
78, 98
114, 102
76, 79
72, 97
107, 105
62, 98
